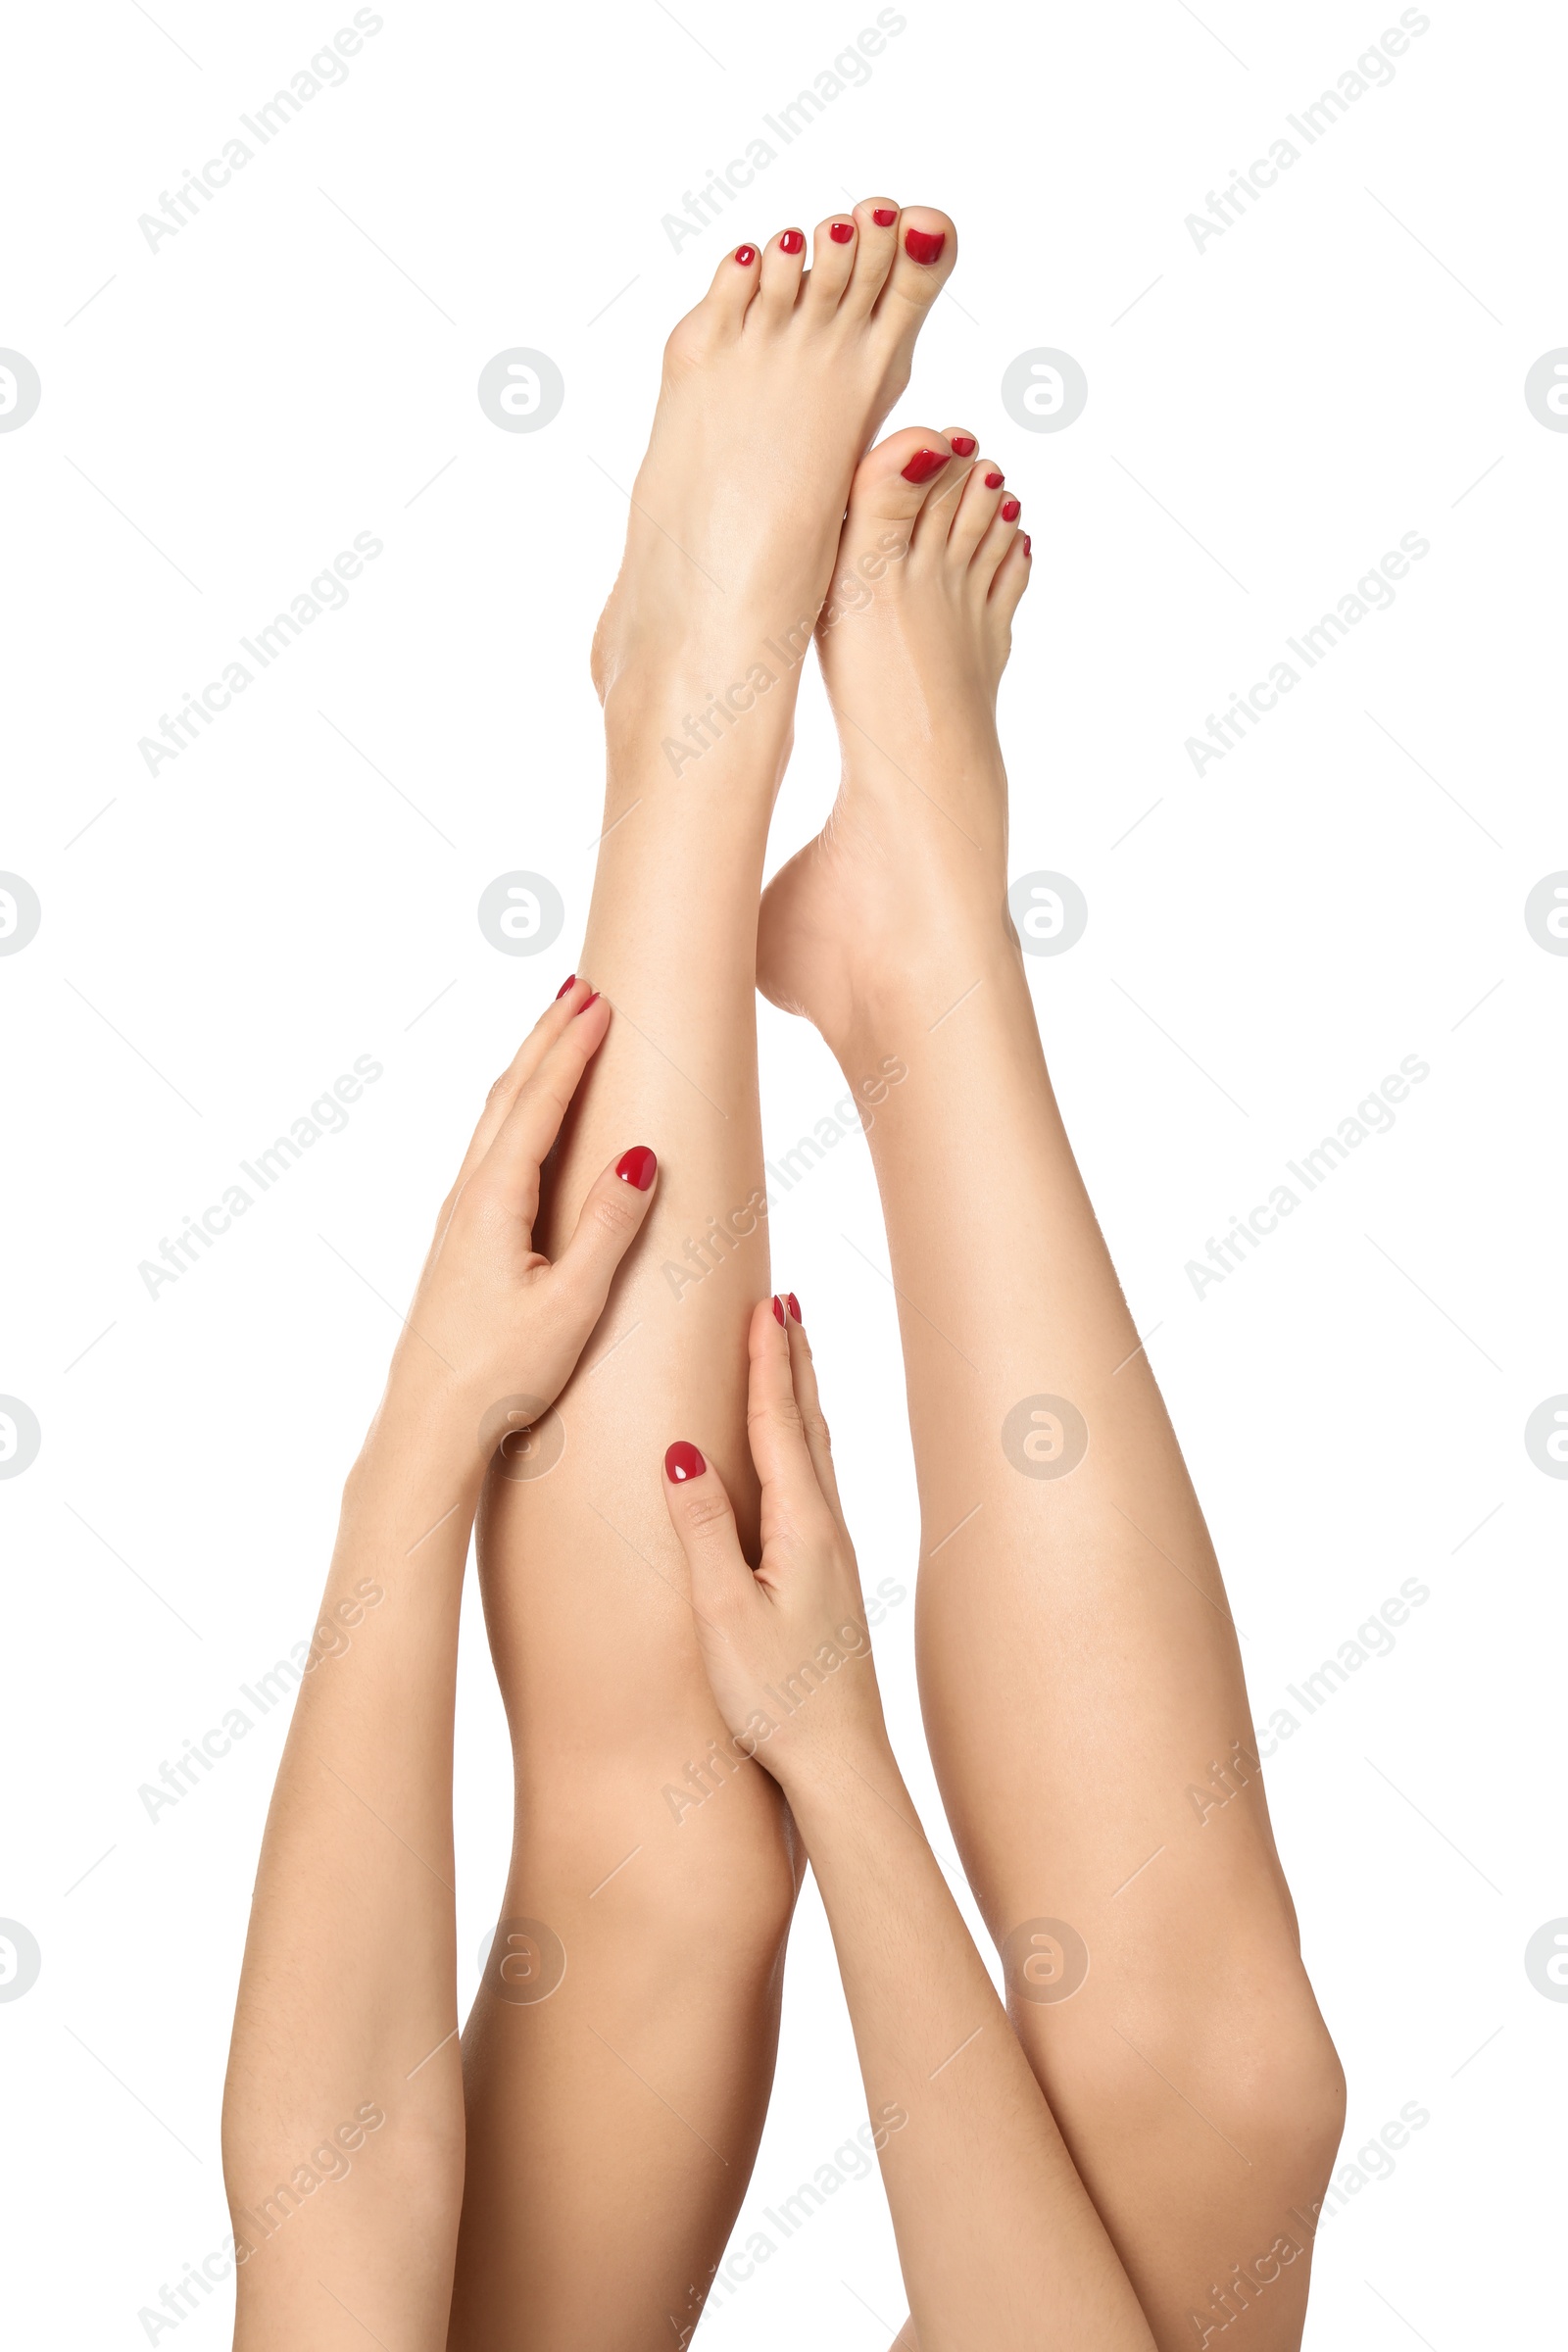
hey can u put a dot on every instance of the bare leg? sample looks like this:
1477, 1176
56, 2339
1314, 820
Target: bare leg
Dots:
1079, 1671
612, 2126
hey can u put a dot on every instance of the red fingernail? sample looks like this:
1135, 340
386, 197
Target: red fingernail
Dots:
746, 255
794, 1307
1028, 545
591, 998
994, 481
571, 981
637, 1167
842, 231
779, 1311
923, 464
883, 218
963, 445
921, 246
683, 1461
1010, 510
792, 241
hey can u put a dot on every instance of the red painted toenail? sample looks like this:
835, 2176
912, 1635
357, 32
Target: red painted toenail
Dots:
637, 1167
1028, 545
962, 445
1010, 510
842, 231
778, 1309
571, 981
923, 464
683, 1461
792, 241
883, 218
793, 1307
591, 998
746, 255
994, 481
921, 246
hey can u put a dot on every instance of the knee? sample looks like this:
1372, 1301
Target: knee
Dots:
1283, 2087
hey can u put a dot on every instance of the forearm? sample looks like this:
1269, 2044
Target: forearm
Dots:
998, 2239
344, 2087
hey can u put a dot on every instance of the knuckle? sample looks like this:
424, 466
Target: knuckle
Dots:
615, 1214
817, 1428
706, 1513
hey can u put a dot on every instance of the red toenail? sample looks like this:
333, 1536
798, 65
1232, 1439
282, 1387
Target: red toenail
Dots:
1028, 545
994, 481
1010, 510
921, 246
571, 981
778, 1309
962, 445
792, 241
746, 255
842, 231
883, 218
923, 464
794, 1305
591, 998
683, 1461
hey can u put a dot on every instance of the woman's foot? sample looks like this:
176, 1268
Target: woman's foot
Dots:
912, 641
771, 389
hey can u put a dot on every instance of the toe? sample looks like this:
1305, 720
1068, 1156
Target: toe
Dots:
996, 542
719, 314
877, 242
891, 484
1010, 580
977, 508
895, 480
833, 244
783, 266
927, 246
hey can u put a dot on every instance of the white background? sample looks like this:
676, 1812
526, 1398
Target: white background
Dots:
1342, 367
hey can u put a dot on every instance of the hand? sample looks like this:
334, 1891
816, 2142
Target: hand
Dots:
785, 1644
492, 1320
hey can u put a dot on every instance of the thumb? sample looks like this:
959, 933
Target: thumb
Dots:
607, 1223
723, 1588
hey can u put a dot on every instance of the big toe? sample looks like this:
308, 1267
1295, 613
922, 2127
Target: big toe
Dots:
927, 250
894, 480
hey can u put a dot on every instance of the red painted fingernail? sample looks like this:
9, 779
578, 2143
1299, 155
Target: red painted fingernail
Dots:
921, 246
923, 464
883, 216
792, 241
794, 1307
746, 255
591, 997
994, 481
637, 1167
963, 444
683, 1461
778, 1309
571, 981
842, 231
1028, 545
1010, 510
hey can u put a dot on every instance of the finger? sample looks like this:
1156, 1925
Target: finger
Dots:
570, 1001
723, 1587
792, 1499
819, 1440
607, 1223
511, 1168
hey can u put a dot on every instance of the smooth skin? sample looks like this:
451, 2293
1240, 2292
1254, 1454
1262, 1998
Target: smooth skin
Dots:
343, 2129
1080, 1677
612, 2128
998, 2239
